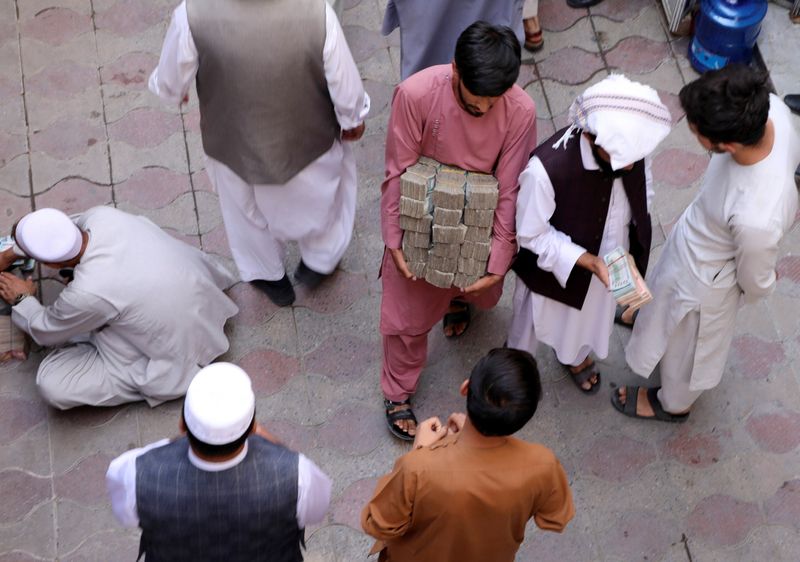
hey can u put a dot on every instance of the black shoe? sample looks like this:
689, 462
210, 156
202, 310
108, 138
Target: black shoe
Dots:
793, 101
279, 292
308, 277
582, 3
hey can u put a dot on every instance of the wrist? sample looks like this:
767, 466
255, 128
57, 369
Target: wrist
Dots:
19, 298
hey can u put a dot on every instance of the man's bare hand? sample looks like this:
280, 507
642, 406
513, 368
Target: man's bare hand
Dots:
12, 286
400, 262
354, 134
429, 432
7, 257
596, 265
483, 284
455, 423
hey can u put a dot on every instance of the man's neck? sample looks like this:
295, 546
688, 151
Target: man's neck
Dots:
474, 438
753, 154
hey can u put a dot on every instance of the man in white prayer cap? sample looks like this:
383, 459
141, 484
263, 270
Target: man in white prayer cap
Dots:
143, 313
227, 490
584, 192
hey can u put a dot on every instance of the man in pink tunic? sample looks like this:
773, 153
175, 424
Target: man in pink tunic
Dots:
468, 114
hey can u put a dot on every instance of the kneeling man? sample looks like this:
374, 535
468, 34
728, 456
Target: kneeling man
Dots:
143, 313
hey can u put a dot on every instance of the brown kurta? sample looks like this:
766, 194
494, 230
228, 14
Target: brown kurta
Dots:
456, 502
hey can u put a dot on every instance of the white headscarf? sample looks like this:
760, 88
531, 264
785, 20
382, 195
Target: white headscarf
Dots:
48, 236
626, 117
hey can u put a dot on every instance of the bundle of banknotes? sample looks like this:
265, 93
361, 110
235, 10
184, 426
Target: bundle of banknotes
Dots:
447, 215
625, 281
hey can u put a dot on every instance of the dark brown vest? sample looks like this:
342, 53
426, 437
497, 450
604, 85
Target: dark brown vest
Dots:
265, 109
582, 200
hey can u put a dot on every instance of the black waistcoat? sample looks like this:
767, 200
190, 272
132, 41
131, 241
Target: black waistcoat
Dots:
242, 514
582, 199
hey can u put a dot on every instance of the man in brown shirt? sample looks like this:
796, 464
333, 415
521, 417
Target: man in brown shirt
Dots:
467, 489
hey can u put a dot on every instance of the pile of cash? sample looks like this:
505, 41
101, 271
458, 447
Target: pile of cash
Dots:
447, 215
625, 281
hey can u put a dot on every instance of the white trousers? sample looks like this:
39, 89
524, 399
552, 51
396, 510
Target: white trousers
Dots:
316, 209
676, 366
530, 9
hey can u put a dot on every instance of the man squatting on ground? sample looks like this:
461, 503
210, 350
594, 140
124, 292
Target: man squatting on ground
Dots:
723, 249
272, 128
143, 313
227, 490
467, 490
580, 197
472, 115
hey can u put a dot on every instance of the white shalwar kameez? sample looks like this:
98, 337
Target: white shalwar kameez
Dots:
572, 333
317, 206
721, 252
143, 314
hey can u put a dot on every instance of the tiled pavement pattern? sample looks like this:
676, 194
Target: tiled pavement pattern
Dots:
78, 128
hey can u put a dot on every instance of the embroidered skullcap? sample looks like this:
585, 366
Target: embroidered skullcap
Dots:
219, 404
628, 119
48, 236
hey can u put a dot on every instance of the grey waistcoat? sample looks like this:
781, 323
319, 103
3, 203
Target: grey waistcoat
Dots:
246, 513
265, 109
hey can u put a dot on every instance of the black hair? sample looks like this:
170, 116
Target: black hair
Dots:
728, 105
487, 58
226, 449
504, 391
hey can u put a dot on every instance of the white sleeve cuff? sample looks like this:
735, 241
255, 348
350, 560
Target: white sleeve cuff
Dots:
313, 492
568, 255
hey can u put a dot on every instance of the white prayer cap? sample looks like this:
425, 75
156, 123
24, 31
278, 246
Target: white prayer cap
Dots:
627, 118
48, 236
219, 404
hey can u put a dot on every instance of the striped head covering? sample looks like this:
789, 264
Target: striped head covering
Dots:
627, 118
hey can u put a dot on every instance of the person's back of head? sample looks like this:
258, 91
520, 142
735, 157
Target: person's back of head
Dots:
487, 58
504, 391
729, 105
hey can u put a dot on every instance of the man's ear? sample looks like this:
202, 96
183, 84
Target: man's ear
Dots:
464, 388
730, 147
455, 69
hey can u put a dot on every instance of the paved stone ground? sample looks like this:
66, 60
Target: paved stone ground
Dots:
78, 128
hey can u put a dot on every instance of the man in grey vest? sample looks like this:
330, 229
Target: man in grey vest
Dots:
227, 491
279, 92
585, 192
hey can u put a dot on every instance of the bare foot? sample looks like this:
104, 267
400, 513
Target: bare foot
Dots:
587, 364
627, 316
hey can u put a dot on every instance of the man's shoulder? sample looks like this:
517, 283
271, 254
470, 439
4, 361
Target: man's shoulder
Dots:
420, 84
520, 102
535, 453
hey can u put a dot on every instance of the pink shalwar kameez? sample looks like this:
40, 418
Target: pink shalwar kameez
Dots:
426, 120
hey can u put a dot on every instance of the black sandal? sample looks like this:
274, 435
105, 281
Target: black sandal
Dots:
631, 398
463, 316
397, 415
584, 376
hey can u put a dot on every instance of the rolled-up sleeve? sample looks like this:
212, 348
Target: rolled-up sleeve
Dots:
556, 508
388, 514
313, 492
178, 64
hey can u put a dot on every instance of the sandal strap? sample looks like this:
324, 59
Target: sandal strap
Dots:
631, 397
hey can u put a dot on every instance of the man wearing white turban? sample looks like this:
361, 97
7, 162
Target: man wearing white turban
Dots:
227, 490
143, 313
581, 196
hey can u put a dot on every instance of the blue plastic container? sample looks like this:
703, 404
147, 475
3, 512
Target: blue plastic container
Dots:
726, 31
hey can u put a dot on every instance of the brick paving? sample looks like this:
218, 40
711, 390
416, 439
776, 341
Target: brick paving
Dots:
78, 128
